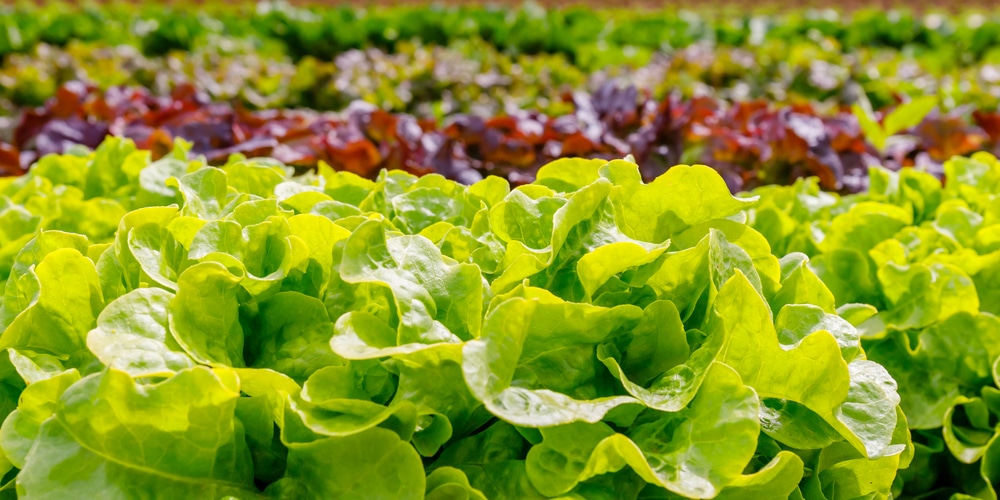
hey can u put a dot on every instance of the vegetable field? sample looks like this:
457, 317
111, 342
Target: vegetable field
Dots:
284, 252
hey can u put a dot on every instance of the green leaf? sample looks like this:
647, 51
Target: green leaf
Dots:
869, 411
37, 404
254, 178
534, 364
448, 483
668, 449
684, 277
795, 322
320, 235
865, 225
267, 452
969, 442
800, 285
658, 343
778, 478
34, 367
178, 437
339, 414
870, 126
20, 288
132, 335
909, 114
840, 475
153, 187
813, 374
104, 172
204, 315
493, 462
371, 464
425, 288
569, 174
432, 380
795, 425
918, 296
697, 194
933, 375
291, 334
151, 246
206, 192
598, 266
269, 385
63, 298
432, 199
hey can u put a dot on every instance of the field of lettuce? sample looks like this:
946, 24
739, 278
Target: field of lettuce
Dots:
462, 253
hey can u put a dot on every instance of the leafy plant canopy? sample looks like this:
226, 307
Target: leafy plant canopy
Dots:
179, 330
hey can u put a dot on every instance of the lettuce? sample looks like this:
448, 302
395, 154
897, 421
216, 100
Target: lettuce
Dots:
246, 332
913, 265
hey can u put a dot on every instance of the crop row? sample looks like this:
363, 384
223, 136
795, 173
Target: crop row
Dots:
750, 143
189, 331
473, 77
326, 32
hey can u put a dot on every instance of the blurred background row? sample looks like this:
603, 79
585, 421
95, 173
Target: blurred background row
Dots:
765, 95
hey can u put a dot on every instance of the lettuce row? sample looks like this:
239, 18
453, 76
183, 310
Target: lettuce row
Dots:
914, 265
176, 330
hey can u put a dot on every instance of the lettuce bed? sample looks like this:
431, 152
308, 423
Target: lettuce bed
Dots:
473, 76
180, 331
589, 37
925, 259
750, 143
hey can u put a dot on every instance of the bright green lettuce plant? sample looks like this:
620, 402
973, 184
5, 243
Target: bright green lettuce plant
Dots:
915, 266
181, 331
